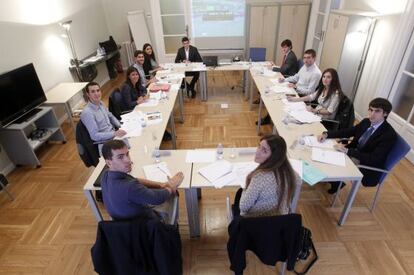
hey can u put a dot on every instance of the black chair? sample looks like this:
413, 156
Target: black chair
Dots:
87, 149
115, 103
344, 117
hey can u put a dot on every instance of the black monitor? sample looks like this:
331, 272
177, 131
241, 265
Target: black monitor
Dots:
20, 92
210, 60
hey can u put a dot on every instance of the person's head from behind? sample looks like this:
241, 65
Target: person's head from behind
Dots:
116, 155
309, 57
286, 46
92, 92
132, 76
379, 109
139, 57
186, 42
147, 49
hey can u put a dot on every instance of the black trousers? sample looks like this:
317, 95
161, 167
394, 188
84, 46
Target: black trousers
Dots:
193, 82
235, 208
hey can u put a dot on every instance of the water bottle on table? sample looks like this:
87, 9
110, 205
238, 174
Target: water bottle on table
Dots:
220, 151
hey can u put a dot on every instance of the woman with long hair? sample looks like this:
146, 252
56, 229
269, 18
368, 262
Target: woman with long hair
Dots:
328, 95
150, 63
132, 91
270, 188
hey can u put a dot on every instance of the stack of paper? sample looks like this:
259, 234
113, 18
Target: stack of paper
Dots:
216, 170
200, 156
312, 141
305, 116
330, 157
157, 172
294, 106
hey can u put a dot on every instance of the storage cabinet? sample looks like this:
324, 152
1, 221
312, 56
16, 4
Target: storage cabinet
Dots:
15, 138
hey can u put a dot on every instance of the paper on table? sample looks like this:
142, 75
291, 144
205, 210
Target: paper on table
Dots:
330, 157
175, 86
154, 118
237, 176
294, 106
225, 180
149, 103
216, 170
312, 141
305, 116
281, 84
200, 156
269, 73
297, 166
311, 175
157, 172
281, 90
155, 95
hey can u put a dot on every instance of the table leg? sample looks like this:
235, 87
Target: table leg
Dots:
245, 80
203, 85
93, 204
191, 203
181, 104
70, 115
251, 93
347, 207
172, 126
259, 118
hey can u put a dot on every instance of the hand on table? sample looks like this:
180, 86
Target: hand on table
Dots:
120, 133
341, 148
322, 137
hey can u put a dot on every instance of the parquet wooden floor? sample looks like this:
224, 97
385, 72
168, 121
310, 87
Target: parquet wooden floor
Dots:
49, 228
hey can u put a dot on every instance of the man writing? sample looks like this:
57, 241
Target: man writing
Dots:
187, 54
372, 140
307, 79
127, 197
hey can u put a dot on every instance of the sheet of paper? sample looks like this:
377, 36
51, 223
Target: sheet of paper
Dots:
297, 166
149, 103
157, 172
216, 170
312, 141
155, 95
305, 116
280, 84
330, 157
242, 169
281, 90
294, 106
269, 73
200, 156
312, 175
225, 180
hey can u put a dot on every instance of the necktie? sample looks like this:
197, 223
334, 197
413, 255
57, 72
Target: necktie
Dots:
365, 136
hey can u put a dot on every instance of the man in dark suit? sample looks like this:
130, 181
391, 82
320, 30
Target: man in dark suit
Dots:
187, 54
289, 64
372, 140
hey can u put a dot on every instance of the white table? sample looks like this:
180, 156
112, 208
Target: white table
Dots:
61, 95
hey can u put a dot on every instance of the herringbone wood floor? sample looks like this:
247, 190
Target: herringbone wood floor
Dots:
49, 228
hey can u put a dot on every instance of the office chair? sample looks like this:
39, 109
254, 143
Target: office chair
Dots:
257, 54
398, 151
3, 183
115, 104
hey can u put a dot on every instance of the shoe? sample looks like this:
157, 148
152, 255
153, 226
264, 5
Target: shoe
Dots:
257, 101
193, 94
167, 136
334, 187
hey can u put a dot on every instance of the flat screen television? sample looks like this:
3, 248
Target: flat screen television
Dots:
20, 92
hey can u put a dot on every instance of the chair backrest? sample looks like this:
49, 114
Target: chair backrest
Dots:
115, 103
88, 151
345, 114
398, 151
300, 63
257, 54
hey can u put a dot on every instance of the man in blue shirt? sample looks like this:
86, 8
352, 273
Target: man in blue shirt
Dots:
127, 197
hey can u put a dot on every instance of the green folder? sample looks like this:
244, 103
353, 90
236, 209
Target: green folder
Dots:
311, 174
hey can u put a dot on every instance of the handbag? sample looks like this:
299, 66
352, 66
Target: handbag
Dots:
305, 249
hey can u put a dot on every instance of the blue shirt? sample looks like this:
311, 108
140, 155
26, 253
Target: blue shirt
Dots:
99, 121
125, 197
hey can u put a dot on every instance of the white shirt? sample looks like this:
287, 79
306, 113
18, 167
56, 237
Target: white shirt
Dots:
187, 53
307, 79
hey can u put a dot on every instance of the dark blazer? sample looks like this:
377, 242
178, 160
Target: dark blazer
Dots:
272, 239
139, 246
375, 150
130, 96
193, 56
290, 67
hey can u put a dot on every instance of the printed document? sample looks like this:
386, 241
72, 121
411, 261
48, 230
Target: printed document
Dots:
157, 172
330, 157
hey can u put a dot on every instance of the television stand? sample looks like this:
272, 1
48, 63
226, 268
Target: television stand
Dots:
15, 137
27, 116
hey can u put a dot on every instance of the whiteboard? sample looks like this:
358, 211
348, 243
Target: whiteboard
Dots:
139, 28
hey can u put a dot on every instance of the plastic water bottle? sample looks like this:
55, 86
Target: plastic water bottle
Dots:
157, 154
220, 151
143, 122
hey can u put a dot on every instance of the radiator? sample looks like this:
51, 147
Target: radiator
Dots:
129, 49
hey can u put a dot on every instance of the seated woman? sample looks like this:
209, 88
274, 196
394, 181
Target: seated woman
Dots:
150, 64
271, 186
133, 93
328, 95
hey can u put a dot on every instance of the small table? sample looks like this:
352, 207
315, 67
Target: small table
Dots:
62, 93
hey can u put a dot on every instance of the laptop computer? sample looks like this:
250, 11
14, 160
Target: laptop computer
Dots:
210, 60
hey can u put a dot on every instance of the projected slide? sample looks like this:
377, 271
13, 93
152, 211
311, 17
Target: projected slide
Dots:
218, 18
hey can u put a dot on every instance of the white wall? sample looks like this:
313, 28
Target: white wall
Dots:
23, 43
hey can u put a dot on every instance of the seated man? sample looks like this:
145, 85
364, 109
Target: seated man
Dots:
307, 79
372, 140
139, 65
101, 124
188, 54
289, 64
126, 197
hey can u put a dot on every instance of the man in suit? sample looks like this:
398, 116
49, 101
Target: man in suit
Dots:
187, 54
289, 64
372, 140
